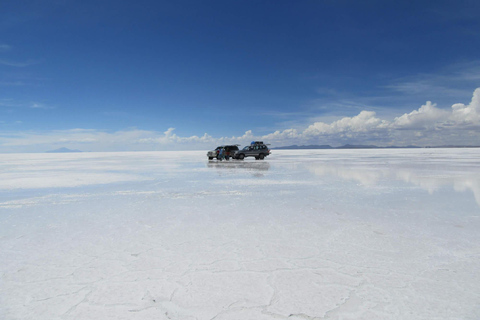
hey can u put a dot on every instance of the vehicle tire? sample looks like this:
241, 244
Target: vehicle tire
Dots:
261, 156
241, 156
210, 158
256, 158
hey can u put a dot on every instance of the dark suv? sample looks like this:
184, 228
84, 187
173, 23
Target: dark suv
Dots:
229, 151
257, 149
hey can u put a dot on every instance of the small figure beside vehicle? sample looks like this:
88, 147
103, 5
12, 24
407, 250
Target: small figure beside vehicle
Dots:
227, 151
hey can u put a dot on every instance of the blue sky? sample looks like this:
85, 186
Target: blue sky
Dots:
164, 75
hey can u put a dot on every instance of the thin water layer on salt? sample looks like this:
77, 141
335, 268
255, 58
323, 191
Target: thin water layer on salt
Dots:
309, 234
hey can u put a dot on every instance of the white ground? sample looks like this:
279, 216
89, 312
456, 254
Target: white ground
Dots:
344, 234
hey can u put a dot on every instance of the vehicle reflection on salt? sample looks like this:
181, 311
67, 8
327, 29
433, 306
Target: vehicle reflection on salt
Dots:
257, 168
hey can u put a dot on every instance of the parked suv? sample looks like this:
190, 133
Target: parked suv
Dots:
229, 151
257, 149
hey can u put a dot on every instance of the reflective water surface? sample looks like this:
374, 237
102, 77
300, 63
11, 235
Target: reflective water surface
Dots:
304, 234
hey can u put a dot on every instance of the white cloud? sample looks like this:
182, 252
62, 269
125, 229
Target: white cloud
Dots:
460, 116
429, 125
469, 115
365, 121
426, 117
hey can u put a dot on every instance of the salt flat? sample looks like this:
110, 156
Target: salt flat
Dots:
310, 234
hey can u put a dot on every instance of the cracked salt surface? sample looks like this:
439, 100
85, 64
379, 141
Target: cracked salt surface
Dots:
310, 234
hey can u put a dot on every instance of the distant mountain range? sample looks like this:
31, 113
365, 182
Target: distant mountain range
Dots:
351, 146
63, 150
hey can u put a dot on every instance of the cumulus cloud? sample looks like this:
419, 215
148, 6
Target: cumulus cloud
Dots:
427, 116
365, 121
428, 125
467, 115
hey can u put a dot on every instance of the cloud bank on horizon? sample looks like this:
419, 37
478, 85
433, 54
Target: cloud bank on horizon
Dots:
428, 125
